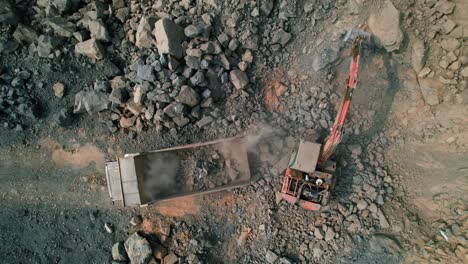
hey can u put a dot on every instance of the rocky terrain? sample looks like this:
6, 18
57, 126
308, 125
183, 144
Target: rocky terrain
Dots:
85, 81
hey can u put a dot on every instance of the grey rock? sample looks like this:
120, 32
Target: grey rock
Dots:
122, 14
206, 120
417, 56
146, 73
464, 72
309, 6
91, 48
138, 249
91, 102
318, 233
450, 44
207, 102
118, 252
172, 63
382, 219
223, 39
193, 62
64, 117
8, 46
174, 109
139, 94
24, 34
239, 78
144, 34
188, 96
198, 78
362, 204
61, 5
233, 44
98, 30
169, 37
267, 6
385, 25
329, 234
59, 89
45, 46
8, 13
211, 47
270, 256
325, 55
192, 31
61, 26
281, 37
430, 89
81, 35
181, 121
119, 95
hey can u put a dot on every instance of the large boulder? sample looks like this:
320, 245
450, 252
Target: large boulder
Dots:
91, 102
169, 37
138, 249
385, 25
91, 48
144, 35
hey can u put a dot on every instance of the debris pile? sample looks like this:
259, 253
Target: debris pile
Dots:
16, 101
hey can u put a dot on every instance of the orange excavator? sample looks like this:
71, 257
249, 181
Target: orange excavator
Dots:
310, 176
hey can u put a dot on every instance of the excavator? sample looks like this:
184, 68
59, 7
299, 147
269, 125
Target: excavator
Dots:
310, 177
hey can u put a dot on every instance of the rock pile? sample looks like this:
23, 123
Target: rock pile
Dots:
16, 101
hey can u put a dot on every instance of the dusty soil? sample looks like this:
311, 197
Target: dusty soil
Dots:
53, 196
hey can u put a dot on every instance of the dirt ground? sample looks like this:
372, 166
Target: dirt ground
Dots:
412, 154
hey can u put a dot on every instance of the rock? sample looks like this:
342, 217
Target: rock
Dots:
223, 39
63, 117
445, 7
8, 13
318, 233
450, 44
197, 78
90, 101
61, 26
144, 34
45, 46
309, 6
188, 96
206, 120
382, 219
138, 249
448, 26
127, 122
119, 96
24, 34
379, 243
233, 44
8, 46
362, 204
430, 89
192, 31
281, 37
211, 47
464, 72
59, 89
139, 94
174, 109
98, 30
146, 73
385, 25
267, 6
171, 259
109, 228
417, 56
61, 5
329, 234
325, 55
91, 48
239, 79
193, 62
270, 256
169, 37
373, 208
122, 14
284, 260
81, 35
118, 252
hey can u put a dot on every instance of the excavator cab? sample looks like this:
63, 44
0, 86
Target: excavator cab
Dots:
306, 181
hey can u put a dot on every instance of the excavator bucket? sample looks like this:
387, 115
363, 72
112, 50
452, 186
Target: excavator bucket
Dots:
355, 33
